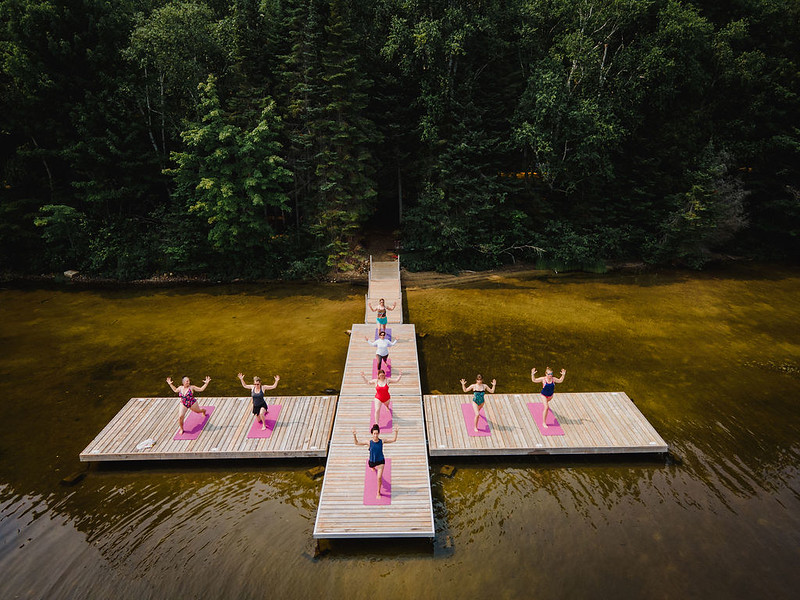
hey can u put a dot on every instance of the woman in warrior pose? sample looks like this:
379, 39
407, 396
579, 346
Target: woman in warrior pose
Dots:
260, 407
376, 459
548, 388
186, 392
478, 390
381, 390
381, 310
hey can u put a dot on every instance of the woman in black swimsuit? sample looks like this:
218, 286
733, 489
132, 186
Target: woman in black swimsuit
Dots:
260, 407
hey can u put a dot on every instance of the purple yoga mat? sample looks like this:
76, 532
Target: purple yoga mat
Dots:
469, 420
553, 427
386, 365
371, 484
388, 333
271, 418
193, 424
386, 417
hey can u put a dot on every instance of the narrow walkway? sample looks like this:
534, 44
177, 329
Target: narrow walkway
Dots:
342, 512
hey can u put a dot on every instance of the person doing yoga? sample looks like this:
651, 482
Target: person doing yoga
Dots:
381, 310
260, 408
376, 459
548, 388
478, 390
186, 392
382, 395
381, 347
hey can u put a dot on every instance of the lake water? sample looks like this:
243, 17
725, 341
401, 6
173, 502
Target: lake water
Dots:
712, 359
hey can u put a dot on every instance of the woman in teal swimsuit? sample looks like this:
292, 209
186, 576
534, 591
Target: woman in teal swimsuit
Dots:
479, 390
186, 392
548, 388
382, 319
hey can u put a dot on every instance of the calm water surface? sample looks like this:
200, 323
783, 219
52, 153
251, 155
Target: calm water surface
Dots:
711, 359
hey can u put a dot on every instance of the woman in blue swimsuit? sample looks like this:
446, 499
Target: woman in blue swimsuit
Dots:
548, 388
376, 459
478, 390
186, 392
260, 407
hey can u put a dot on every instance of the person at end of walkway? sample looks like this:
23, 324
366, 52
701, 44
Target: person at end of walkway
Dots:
376, 459
548, 388
382, 395
381, 310
478, 390
260, 408
186, 392
382, 347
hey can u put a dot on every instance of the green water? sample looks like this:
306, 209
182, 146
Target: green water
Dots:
711, 359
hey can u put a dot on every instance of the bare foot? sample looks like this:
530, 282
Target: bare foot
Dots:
544, 425
203, 410
263, 428
378, 495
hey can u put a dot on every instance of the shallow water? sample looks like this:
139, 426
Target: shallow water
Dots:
711, 359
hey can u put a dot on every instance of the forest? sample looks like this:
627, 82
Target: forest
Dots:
263, 138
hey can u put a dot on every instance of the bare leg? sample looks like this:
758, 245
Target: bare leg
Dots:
380, 480
181, 416
196, 408
477, 410
378, 411
546, 410
262, 417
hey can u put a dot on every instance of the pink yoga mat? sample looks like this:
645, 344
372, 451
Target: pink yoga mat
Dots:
553, 427
386, 417
271, 418
386, 365
193, 424
371, 484
469, 420
388, 333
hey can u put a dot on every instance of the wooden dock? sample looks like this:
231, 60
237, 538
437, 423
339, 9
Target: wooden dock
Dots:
384, 282
342, 512
303, 429
593, 423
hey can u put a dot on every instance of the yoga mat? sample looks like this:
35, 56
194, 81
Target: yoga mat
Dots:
386, 365
386, 417
193, 424
272, 416
553, 427
388, 333
469, 421
371, 484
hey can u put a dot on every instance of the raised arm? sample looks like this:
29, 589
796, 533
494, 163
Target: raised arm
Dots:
560, 379
535, 379
394, 439
371, 342
244, 385
491, 389
370, 306
394, 341
464, 386
395, 379
392, 307
274, 385
206, 381
364, 377
169, 383
355, 439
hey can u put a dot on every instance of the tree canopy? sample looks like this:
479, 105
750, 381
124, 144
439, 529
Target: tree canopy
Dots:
261, 138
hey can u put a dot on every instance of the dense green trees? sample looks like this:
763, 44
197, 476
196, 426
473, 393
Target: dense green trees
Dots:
259, 137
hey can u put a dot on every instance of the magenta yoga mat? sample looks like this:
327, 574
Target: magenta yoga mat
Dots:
386, 365
371, 485
469, 420
386, 417
271, 418
553, 427
193, 424
388, 333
